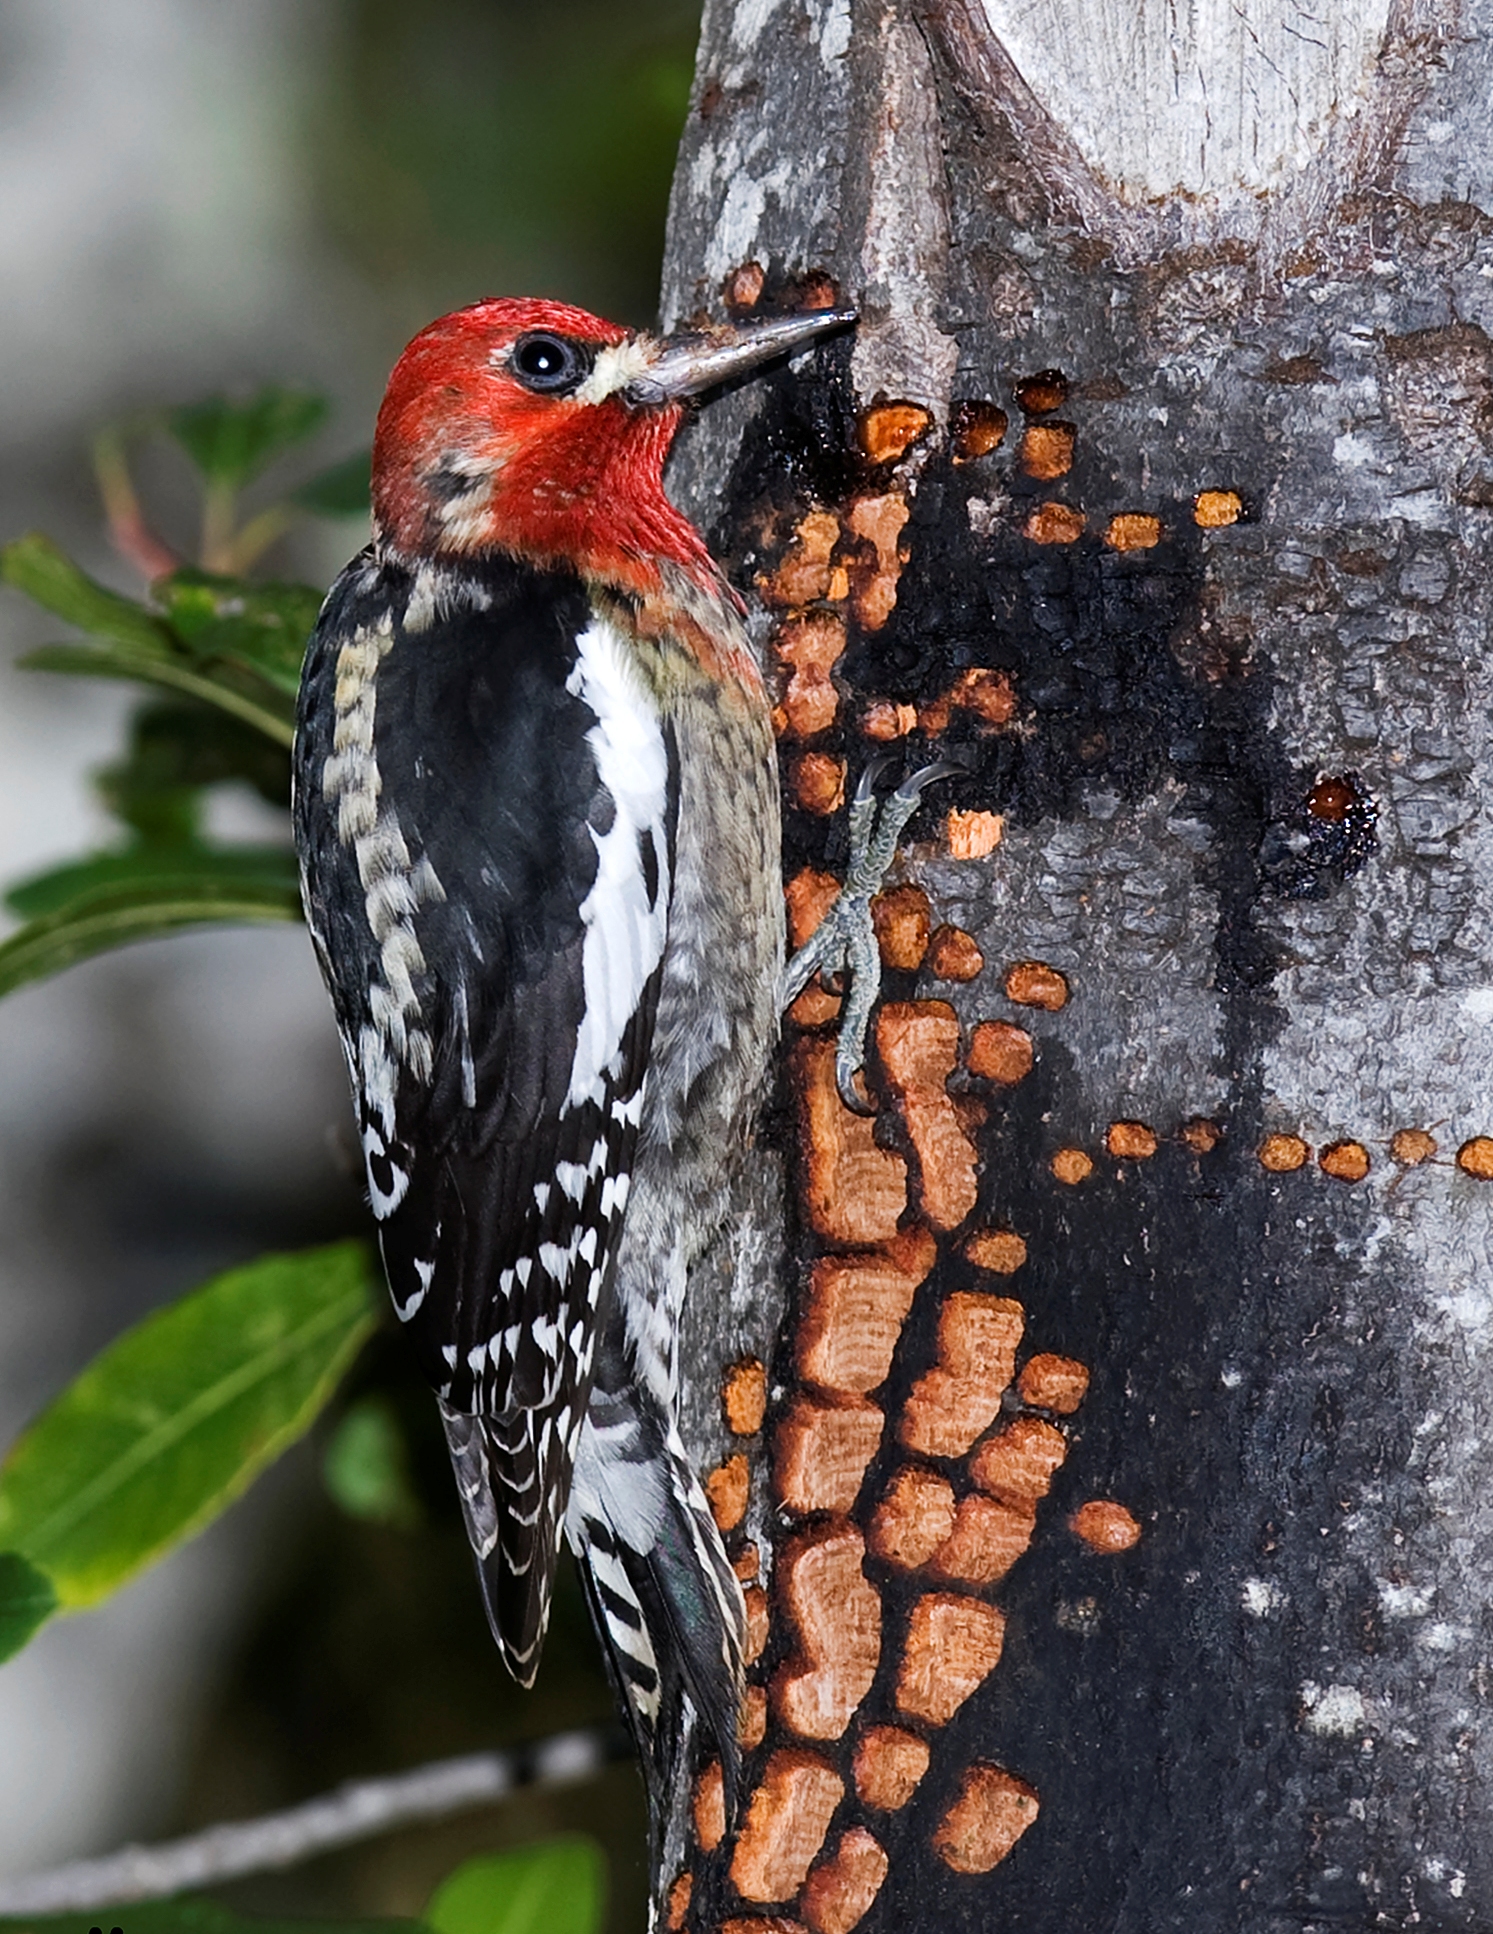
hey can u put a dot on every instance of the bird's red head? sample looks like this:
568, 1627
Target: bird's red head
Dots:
534, 428
506, 426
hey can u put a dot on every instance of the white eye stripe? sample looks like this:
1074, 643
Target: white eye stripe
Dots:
615, 367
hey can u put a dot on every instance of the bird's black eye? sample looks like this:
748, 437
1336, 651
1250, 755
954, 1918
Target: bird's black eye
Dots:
549, 364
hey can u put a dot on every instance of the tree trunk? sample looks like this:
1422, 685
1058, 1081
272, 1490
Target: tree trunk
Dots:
1124, 1459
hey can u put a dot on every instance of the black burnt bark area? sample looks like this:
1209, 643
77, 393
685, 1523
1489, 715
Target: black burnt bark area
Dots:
1121, 1675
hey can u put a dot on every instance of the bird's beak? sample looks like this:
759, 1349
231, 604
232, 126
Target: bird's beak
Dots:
688, 363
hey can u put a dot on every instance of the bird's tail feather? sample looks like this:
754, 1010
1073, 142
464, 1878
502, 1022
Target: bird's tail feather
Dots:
511, 1504
672, 1626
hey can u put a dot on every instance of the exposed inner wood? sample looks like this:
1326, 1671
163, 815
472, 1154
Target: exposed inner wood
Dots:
1475, 1158
953, 1645
919, 1044
1055, 524
889, 431
808, 896
1042, 393
1214, 509
856, 1307
835, 1614
884, 721
803, 574
817, 782
1001, 1251
1345, 1161
1032, 983
1412, 1146
744, 1396
1053, 1383
988, 694
1105, 1525
1047, 450
979, 428
839, 1892
955, 955
854, 1191
954, 1402
993, 1810
1001, 1051
821, 1448
913, 1519
710, 1807
742, 290
1072, 1165
751, 1726
1017, 1464
873, 582
972, 835
785, 1826
1131, 1140
728, 1488
1133, 531
758, 1615
987, 1539
889, 1764
814, 1006
810, 646
903, 922
1283, 1153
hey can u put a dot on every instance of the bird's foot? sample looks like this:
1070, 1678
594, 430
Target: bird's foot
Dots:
844, 942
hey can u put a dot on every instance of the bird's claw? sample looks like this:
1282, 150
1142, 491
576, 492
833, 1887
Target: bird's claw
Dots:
844, 942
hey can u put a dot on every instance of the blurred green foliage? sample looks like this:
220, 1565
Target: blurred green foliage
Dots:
490, 147
365, 1466
180, 1414
462, 148
550, 1887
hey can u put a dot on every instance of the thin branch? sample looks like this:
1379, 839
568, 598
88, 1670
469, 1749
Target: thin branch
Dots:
353, 1812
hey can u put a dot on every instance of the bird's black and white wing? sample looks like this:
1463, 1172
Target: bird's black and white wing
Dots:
485, 813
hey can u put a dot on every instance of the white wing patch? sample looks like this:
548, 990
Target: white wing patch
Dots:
625, 927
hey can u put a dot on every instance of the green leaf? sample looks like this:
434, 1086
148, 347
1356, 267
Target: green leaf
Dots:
177, 748
366, 1466
156, 870
98, 922
27, 1601
189, 1916
262, 626
343, 489
555, 1886
35, 565
261, 705
232, 442
178, 1416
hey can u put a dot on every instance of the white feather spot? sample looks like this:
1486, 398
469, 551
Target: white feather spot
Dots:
572, 1179
556, 1261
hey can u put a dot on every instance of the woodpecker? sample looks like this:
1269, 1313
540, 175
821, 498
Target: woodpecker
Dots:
537, 813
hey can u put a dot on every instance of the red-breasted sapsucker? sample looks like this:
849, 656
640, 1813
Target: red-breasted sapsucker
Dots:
536, 806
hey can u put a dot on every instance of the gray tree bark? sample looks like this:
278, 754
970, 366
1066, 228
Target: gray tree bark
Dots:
1207, 629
